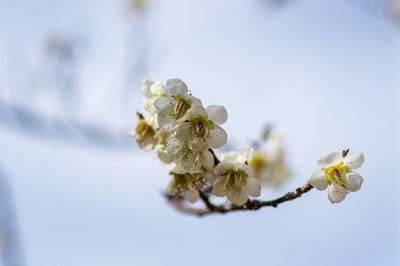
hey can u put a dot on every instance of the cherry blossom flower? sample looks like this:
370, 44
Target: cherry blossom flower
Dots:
172, 108
337, 172
149, 136
235, 179
183, 183
152, 91
201, 129
145, 135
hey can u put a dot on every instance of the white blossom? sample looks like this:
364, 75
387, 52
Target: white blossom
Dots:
182, 184
337, 172
235, 179
145, 135
269, 166
152, 91
172, 108
149, 136
201, 129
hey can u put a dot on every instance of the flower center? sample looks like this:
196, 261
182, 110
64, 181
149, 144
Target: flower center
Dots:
336, 175
198, 181
190, 159
236, 180
201, 130
180, 108
181, 182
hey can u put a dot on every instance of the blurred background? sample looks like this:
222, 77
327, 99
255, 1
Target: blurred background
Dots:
76, 190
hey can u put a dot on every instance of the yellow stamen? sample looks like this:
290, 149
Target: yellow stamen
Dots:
180, 108
236, 181
336, 175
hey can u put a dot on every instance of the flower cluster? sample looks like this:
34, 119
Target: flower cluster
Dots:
185, 134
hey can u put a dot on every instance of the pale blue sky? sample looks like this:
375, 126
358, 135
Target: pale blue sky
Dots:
323, 72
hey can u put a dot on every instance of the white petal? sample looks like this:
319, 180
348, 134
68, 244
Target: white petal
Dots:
164, 120
173, 146
192, 100
198, 146
163, 102
219, 186
218, 137
354, 161
210, 177
355, 181
253, 187
171, 186
247, 169
330, 160
230, 156
145, 87
191, 195
336, 194
217, 114
223, 167
184, 131
157, 88
318, 180
195, 111
164, 156
207, 160
245, 154
188, 160
176, 87
237, 197
147, 145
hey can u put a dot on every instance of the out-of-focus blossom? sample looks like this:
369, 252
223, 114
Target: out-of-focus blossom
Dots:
152, 91
145, 135
269, 166
137, 5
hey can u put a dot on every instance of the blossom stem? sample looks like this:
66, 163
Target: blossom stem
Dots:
206, 200
250, 205
216, 160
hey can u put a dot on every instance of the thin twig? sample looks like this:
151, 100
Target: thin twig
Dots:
206, 200
250, 205
216, 160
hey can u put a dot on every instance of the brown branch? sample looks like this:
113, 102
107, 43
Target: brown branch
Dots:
250, 205
216, 160
206, 200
